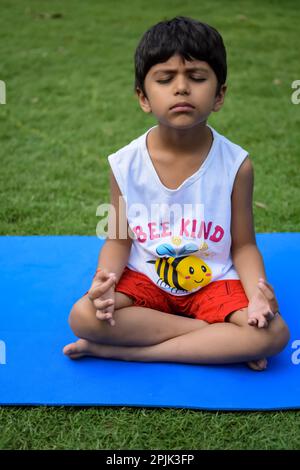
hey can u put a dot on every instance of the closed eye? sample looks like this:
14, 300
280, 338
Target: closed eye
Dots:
194, 79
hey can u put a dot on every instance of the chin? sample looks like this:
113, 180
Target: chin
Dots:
185, 125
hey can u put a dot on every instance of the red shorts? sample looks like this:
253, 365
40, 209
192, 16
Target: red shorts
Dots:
212, 303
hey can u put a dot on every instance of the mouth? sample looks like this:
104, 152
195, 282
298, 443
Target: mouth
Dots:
198, 282
182, 107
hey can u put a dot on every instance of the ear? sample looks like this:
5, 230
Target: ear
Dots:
143, 100
219, 99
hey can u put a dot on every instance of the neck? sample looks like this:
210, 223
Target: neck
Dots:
182, 141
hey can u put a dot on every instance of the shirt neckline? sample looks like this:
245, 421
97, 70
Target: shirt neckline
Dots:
188, 180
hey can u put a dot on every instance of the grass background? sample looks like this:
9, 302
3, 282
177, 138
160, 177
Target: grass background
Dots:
68, 68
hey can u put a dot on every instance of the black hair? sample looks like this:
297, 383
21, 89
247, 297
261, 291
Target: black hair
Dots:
189, 38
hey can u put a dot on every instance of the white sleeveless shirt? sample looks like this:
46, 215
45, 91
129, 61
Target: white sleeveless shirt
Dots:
182, 236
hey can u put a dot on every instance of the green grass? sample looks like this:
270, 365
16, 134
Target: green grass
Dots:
146, 429
70, 103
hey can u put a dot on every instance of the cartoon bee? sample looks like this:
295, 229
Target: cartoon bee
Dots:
179, 270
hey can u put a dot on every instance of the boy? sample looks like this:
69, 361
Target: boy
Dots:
192, 289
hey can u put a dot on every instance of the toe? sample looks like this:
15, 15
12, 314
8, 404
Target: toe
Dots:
70, 350
74, 350
259, 365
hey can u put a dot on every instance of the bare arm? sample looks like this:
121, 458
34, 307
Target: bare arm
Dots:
114, 254
246, 256
113, 257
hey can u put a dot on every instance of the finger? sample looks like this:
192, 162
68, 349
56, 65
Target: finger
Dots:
266, 283
102, 304
109, 282
269, 294
113, 276
262, 279
108, 317
262, 323
97, 291
101, 275
105, 276
269, 316
252, 321
272, 301
101, 315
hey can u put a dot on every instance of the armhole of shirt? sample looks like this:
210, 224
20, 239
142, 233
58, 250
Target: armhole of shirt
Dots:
235, 168
117, 174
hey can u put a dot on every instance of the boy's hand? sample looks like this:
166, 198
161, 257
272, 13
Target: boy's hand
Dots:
263, 305
102, 295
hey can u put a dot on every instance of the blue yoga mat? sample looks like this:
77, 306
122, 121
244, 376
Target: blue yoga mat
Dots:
41, 278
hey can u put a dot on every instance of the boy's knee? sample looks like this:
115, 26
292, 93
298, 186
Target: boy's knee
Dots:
275, 337
78, 318
74, 318
281, 334
84, 323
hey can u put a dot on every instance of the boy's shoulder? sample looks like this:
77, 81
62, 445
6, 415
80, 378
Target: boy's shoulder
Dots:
127, 163
129, 149
228, 144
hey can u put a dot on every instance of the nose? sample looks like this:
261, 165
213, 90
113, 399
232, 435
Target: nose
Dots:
181, 85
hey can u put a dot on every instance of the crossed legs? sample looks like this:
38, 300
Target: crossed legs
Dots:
147, 335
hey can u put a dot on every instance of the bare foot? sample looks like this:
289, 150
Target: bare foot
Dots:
260, 364
79, 349
83, 347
